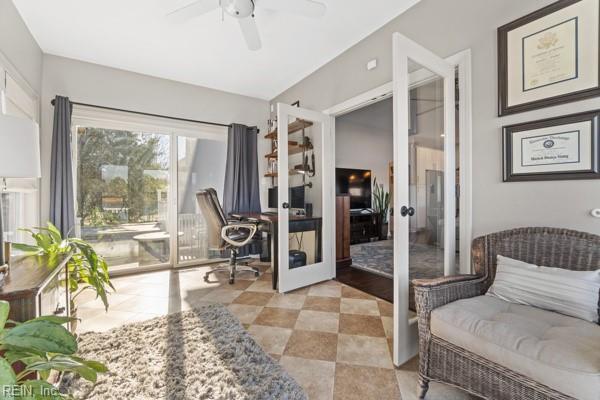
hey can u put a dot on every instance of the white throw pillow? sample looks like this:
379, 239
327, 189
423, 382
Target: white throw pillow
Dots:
573, 293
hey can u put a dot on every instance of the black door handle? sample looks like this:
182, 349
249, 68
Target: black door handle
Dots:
285, 205
404, 211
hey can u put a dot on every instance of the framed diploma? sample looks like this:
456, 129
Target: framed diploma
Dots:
549, 57
561, 148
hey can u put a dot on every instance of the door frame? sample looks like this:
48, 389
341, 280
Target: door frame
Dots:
462, 62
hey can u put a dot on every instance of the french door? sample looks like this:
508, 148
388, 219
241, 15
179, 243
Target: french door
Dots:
306, 190
424, 179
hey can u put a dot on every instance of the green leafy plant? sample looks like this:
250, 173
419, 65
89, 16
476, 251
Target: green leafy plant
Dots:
36, 348
381, 200
87, 269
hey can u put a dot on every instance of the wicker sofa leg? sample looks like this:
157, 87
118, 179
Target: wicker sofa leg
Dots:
423, 386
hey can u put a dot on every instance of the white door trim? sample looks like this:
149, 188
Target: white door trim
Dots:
462, 61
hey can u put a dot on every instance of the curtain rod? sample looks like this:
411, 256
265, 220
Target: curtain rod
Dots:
150, 114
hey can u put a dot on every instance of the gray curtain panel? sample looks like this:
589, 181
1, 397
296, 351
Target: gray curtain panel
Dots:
62, 205
241, 192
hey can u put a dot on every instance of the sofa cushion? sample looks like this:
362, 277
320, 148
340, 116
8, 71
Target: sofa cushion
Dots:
555, 350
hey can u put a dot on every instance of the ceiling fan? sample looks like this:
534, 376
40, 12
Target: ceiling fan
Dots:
243, 10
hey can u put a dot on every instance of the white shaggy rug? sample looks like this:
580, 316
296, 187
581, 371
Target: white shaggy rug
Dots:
203, 353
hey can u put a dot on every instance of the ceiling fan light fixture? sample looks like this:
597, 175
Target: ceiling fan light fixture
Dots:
238, 8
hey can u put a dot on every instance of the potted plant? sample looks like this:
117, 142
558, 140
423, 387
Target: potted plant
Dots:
32, 350
87, 269
381, 200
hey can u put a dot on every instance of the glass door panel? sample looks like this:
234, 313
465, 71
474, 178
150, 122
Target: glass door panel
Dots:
424, 174
123, 195
200, 165
305, 194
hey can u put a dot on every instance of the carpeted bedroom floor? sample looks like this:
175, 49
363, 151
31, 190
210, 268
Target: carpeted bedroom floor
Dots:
378, 257
332, 339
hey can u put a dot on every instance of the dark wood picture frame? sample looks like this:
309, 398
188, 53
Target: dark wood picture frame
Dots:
503, 107
592, 173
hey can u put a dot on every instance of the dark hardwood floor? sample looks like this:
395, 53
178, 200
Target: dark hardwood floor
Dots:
373, 284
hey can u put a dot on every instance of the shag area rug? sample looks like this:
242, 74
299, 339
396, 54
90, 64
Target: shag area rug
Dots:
204, 353
378, 257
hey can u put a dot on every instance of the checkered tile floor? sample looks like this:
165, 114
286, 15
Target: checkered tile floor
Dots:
333, 339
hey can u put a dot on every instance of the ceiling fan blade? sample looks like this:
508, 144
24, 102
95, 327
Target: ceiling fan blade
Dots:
307, 8
250, 32
192, 9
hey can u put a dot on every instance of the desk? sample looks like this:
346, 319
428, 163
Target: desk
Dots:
269, 223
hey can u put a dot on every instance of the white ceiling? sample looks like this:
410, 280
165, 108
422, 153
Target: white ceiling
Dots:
134, 35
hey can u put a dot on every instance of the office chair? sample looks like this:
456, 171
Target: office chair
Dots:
223, 234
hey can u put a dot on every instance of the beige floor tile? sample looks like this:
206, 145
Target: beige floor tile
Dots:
316, 377
114, 299
407, 376
303, 291
261, 286
352, 293
365, 325
292, 301
224, 296
388, 326
385, 309
329, 304
358, 306
363, 350
105, 321
281, 317
136, 304
312, 345
253, 298
272, 339
321, 321
325, 290
267, 276
354, 382
245, 313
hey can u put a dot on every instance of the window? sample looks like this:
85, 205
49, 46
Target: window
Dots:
20, 198
135, 181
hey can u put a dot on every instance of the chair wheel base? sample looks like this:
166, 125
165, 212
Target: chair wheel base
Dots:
256, 274
231, 281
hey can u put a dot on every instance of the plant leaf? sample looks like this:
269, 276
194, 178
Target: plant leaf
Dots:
7, 375
42, 336
4, 310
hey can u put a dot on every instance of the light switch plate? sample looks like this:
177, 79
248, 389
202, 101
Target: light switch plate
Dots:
372, 64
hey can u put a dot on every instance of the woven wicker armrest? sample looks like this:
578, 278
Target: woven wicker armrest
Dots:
433, 293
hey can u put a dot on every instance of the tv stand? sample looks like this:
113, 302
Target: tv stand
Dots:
364, 226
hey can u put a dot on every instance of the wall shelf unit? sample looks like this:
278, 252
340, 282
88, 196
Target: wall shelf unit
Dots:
293, 127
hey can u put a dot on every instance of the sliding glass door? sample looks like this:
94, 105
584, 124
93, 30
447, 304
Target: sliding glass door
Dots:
136, 182
122, 189
200, 165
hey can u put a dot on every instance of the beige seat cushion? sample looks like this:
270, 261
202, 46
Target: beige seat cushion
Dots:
558, 351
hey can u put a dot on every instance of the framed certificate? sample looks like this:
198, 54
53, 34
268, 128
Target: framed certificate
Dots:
550, 57
561, 148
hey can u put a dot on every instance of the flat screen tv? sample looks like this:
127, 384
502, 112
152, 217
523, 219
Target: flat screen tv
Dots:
357, 184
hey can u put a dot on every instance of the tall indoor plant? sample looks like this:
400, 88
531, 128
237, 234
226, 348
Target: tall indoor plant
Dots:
381, 204
87, 269
31, 350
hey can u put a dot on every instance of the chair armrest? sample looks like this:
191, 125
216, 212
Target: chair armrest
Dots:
433, 293
250, 227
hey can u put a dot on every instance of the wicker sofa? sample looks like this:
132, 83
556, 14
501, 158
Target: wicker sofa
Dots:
450, 357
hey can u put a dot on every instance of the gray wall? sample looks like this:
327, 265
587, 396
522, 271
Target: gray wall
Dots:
18, 45
364, 140
94, 84
447, 27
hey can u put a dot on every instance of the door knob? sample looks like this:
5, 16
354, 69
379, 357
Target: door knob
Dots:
285, 205
404, 211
